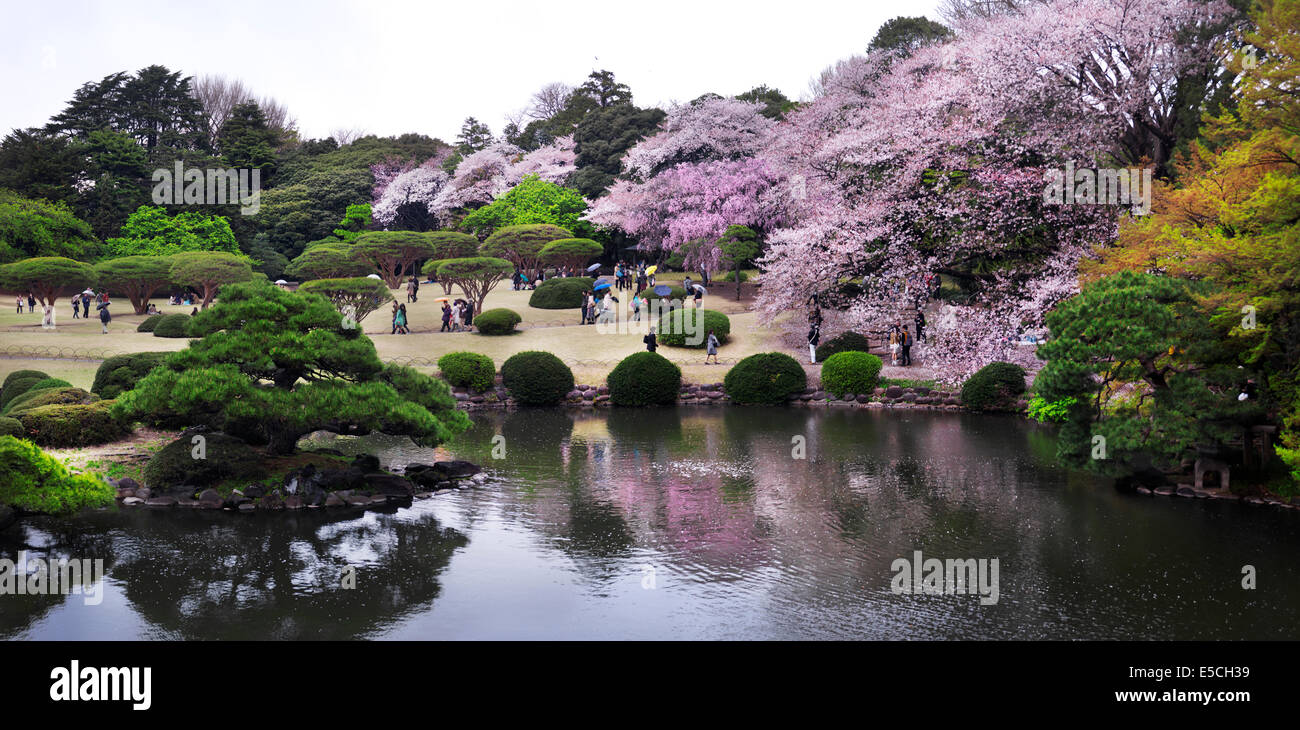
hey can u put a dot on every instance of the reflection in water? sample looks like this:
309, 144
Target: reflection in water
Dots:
696, 523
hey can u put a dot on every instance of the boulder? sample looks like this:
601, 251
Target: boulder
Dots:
293, 501
255, 491
894, 391
247, 507
1185, 492
429, 474
863, 398
209, 495
366, 462
357, 500
132, 501
391, 487
271, 502
160, 502
333, 500
127, 483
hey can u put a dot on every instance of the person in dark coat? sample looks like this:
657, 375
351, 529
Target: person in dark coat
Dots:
906, 341
651, 342
104, 316
814, 338
920, 325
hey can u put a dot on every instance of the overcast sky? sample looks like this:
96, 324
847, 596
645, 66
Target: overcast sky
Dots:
388, 67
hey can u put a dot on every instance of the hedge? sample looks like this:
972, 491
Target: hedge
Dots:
72, 424
468, 370
843, 342
850, 372
768, 377
173, 325
149, 323
120, 373
499, 321
682, 327
11, 427
35, 398
644, 379
563, 293
37, 482
537, 378
994, 387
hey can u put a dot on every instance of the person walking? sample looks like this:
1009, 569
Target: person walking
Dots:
410, 290
583, 314
457, 312
104, 316
814, 337
711, 348
446, 317
401, 320
905, 340
76, 307
920, 325
85, 305
467, 315
20, 303
31, 303
395, 306
635, 304
650, 341
698, 291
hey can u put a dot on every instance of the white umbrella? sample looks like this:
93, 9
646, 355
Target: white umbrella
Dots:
281, 281
374, 276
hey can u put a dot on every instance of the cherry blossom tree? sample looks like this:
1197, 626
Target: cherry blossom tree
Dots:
706, 130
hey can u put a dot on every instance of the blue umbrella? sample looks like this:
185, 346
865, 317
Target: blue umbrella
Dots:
600, 285
663, 290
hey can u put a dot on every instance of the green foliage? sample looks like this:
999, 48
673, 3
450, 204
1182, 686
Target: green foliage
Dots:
730, 276
537, 378
905, 36
994, 387
31, 228
522, 245
47, 277
563, 293
843, 342
208, 271
36, 482
392, 254
690, 327
354, 297
571, 252
149, 323
225, 458
138, 277
119, 373
533, 200
15, 387
246, 141
69, 425
20, 374
602, 138
475, 276
675, 294
468, 370
11, 427
271, 366
1057, 411
499, 321
356, 219
172, 326
57, 395
850, 372
643, 379
451, 245
768, 377
328, 260
151, 232
776, 104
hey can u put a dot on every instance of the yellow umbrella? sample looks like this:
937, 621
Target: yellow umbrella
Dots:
651, 269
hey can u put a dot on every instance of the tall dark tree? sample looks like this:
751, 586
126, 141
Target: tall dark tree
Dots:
474, 136
154, 106
905, 36
602, 138
601, 88
247, 141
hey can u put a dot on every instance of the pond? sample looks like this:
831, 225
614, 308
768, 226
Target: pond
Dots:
690, 523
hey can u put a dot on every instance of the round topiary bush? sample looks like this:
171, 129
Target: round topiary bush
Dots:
120, 373
225, 458
468, 370
173, 325
37, 482
18, 386
843, 342
690, 327
564, 293
731, 277
498, 321
35, 398
19, 374
536, 378
768, 377
149, 323
72, 425
644, 379
994, 387
850, 372
11, 427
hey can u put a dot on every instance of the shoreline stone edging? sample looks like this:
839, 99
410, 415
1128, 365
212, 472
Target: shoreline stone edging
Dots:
1187, 491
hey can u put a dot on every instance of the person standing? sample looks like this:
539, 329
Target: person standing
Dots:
76, 307
85, 305
814, 337
104, 316
31, 303
467, 315
401, 320
905, 340
395, 306
711, 348
410, 290
446, 317
635, 304
920, 325
893, 344
698, 291
650, 341
20, 303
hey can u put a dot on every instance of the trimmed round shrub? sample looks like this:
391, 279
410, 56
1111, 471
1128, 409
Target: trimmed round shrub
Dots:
149, 323
37, 482
536, 378
72, 424
11, 427
731, 277
768, 377
17, 387
500, 321
690, 327
35, 398
46, 384
843, 342
644, 379
994, 387
173, 325
120, 373
226, 457
565, 293
850, 372
19, 374
468, 370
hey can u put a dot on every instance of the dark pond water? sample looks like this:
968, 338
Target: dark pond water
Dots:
692, 523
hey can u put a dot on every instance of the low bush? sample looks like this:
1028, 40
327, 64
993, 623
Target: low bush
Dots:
468, 370
537, 378
850, 372
498, 321
18, 374
1044, 411
37, 482
730, 276
690, 327
72, 424
994, 387
225, 457
173, 325
644, 379
564, 293
149, 323
37, 397
119, 373
843, 342
768, 377
18, 386
11, 427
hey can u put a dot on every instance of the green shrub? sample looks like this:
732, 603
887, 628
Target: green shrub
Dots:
72, 425
768, 377
690, 327
119, 373
994, 387
675, 294
37, 397
731, 277
850, 372
37, 482
498, 321
225, 458
17, 387
563, 293
843, 342
644, 379
1057, 411
468, 370
11, 427
537, 378
149, 323
46, 384
173, 325
19, 374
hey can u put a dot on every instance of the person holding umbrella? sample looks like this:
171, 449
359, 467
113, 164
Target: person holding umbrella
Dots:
446, 317
699, 295
104, 316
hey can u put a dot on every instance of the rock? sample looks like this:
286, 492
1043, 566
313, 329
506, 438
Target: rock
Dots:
923, 391
187, 502
255, 491
366, 462
477, 399
1253, 501
378, 500
333, 500
878, 392
356, 500
293, 501
1163, 491
574, 394
391, 488
236, 499
589, 395
246, 507
132, 501
909, 397
144, 493
1185, 492
1143, 491
127, 483
863, 398
209, 495
423, 495
271, 501
160, 502
124, 493
894, 391
461, 396
714, 395
602, 390
951, 402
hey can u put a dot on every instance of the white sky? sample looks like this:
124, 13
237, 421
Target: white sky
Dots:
388, 67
